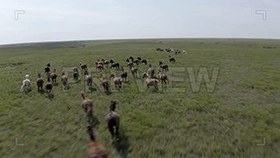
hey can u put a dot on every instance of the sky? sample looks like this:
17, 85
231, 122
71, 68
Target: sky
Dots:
23, 21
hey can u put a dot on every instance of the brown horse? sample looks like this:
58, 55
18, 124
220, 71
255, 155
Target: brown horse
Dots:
49, 87
162, 78
53, 76
105, 85
150, 81
87, 105
124, 76
95, 150
150, 71
64, 80
117, 81
113, 120
40, 82
99, 66
89, 81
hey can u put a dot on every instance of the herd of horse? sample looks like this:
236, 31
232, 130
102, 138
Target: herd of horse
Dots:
151, 77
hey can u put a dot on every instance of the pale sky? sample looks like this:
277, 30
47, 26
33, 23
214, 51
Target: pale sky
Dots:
63, 20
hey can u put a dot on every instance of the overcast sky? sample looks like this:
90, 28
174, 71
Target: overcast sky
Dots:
60, 20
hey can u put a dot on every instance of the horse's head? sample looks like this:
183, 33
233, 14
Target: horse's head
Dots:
26, 76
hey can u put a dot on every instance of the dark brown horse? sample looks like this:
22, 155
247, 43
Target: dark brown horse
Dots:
113, 120
105, 85
49, 87
172, 59
87, 105
40, 82
124, 76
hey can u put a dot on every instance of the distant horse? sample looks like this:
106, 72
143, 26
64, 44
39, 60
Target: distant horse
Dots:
163, 67
150, 71
144, 61
150, 81
162, 78
64, 80
172, 59
105, 85
76, 73
84, 68
53, 76
26, 84
117, 81
47, 71
99, 66
115, 65
39, 82
124, 76
49, 87
89, 81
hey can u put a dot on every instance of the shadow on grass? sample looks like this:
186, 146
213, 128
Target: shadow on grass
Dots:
75, 81
122, 145
92, 89
152, 89
27, 92
42, 91
50, 96
55, 84
65, 88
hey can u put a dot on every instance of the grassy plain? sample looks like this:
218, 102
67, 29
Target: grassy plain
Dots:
241, 118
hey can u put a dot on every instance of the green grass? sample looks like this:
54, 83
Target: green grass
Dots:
229, 122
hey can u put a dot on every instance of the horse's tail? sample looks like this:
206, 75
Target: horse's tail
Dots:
21, 88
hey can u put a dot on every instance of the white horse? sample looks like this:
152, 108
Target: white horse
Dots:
26, 84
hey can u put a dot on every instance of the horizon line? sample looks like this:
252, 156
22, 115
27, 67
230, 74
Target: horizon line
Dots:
117, 39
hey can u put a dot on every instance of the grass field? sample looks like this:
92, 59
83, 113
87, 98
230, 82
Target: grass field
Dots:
240, 118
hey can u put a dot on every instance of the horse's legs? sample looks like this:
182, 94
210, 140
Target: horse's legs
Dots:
107, 89
111, 129
117, 131
90, 118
